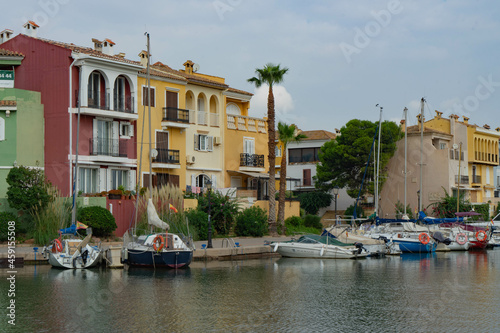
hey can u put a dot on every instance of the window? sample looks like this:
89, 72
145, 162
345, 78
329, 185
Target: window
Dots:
93, 89
203, 142
202, 180
306, 176
277, 151
442, 145
303, 155
249, 146
2, 129
126, 130
87, 180
145, 94
119, 177
119, 94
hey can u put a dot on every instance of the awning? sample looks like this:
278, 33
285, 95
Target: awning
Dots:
259, 175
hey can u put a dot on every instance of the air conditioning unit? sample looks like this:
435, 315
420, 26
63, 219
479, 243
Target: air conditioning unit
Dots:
190, 159
217, 140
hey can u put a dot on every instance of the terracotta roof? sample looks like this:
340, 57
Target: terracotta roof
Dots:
239, 91
415, 129
86, 50
9, 53
8, 103
319, 135
192, 78
161, 72
32, 23
109, 41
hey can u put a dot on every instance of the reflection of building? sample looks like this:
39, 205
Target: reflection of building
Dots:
105, 85
456, 155
21, 121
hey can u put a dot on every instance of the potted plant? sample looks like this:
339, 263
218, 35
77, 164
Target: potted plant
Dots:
115, 194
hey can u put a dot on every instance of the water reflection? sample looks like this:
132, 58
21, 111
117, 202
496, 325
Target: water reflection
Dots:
436, 292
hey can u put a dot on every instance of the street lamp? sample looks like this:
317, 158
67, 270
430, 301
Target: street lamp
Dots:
335, 196
208, 184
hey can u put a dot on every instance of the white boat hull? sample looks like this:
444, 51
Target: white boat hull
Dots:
318, 251
92, 256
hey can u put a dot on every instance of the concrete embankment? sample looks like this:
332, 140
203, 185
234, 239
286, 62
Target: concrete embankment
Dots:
238, 248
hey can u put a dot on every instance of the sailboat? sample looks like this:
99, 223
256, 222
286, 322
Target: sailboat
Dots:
155, 249
69, 251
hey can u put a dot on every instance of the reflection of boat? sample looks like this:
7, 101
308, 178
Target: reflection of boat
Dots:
321, 247
72, 253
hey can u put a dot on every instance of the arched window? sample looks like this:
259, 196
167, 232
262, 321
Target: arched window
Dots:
232, 108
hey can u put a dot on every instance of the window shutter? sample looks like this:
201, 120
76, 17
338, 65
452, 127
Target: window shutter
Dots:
108, 179
131, 130
196, 144
94, 141
306, 177
193, 180
115, 134
2, 129
102, 180
210, 143
214, 181
132, 180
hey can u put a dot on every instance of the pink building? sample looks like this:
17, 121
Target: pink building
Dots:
106, 86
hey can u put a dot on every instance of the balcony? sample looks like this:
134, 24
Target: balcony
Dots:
244, 123
251, 160
476, 179
463, 179
108, 147
124, 104
174, 117
166, 159
97, 100
99, 106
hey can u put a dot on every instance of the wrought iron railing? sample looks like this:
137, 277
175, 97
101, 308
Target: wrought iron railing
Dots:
94, 100
124, 104
463, 179
476, 179
176, 115
108, 147
167, 156
252, 160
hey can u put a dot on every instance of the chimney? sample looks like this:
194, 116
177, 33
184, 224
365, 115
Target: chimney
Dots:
107, 46
486, 126
419, 117
121, 55
466, 120
5, 35
438, 114
97, 44
144, 58
30, 28
188, 67
403, 125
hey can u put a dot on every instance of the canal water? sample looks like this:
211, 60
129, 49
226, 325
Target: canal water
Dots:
442, 292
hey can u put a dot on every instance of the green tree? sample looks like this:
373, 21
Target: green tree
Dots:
343, 160
28, 189
269, 75
223, 210
311, 202
286, 134
447, 207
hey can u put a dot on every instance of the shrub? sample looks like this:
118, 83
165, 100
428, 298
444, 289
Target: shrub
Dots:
28, 189
350, 211
294, 221
313, 221
223, 209
199, 221
251, 222
100, 219
313, 201
4, 226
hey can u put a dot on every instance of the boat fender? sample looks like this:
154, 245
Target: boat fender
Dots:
424, 238
481, 236
322, 251
276, 247
57, 245
461, 238
158, 243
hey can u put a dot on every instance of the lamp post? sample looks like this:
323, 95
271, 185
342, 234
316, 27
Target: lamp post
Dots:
208, 184
335, 195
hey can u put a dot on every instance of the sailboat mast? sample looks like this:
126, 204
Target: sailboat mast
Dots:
378, 161
406, 153
75, 177
422, 101
149, 119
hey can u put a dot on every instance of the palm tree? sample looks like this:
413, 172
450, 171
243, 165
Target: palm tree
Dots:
286, 134
269, 75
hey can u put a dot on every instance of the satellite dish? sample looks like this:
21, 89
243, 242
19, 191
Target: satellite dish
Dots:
455, 146
154, 153
196, 68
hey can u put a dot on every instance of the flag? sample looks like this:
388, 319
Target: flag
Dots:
172, 208
80, 225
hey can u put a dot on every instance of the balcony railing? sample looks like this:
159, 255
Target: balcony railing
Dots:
124, 104
95, 101
476, 179
252, 160
167, 156
463, 179
108, 147
244, 123
176, 115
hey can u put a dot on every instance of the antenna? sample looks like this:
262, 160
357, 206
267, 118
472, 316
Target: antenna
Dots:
196, 68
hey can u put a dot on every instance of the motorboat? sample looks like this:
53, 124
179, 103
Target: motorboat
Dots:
320, 247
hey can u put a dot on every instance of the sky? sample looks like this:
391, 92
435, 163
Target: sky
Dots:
344, 56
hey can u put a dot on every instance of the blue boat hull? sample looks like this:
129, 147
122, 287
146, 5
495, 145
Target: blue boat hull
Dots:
172, 259
414, 247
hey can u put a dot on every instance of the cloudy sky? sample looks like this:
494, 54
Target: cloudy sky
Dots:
344, 56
